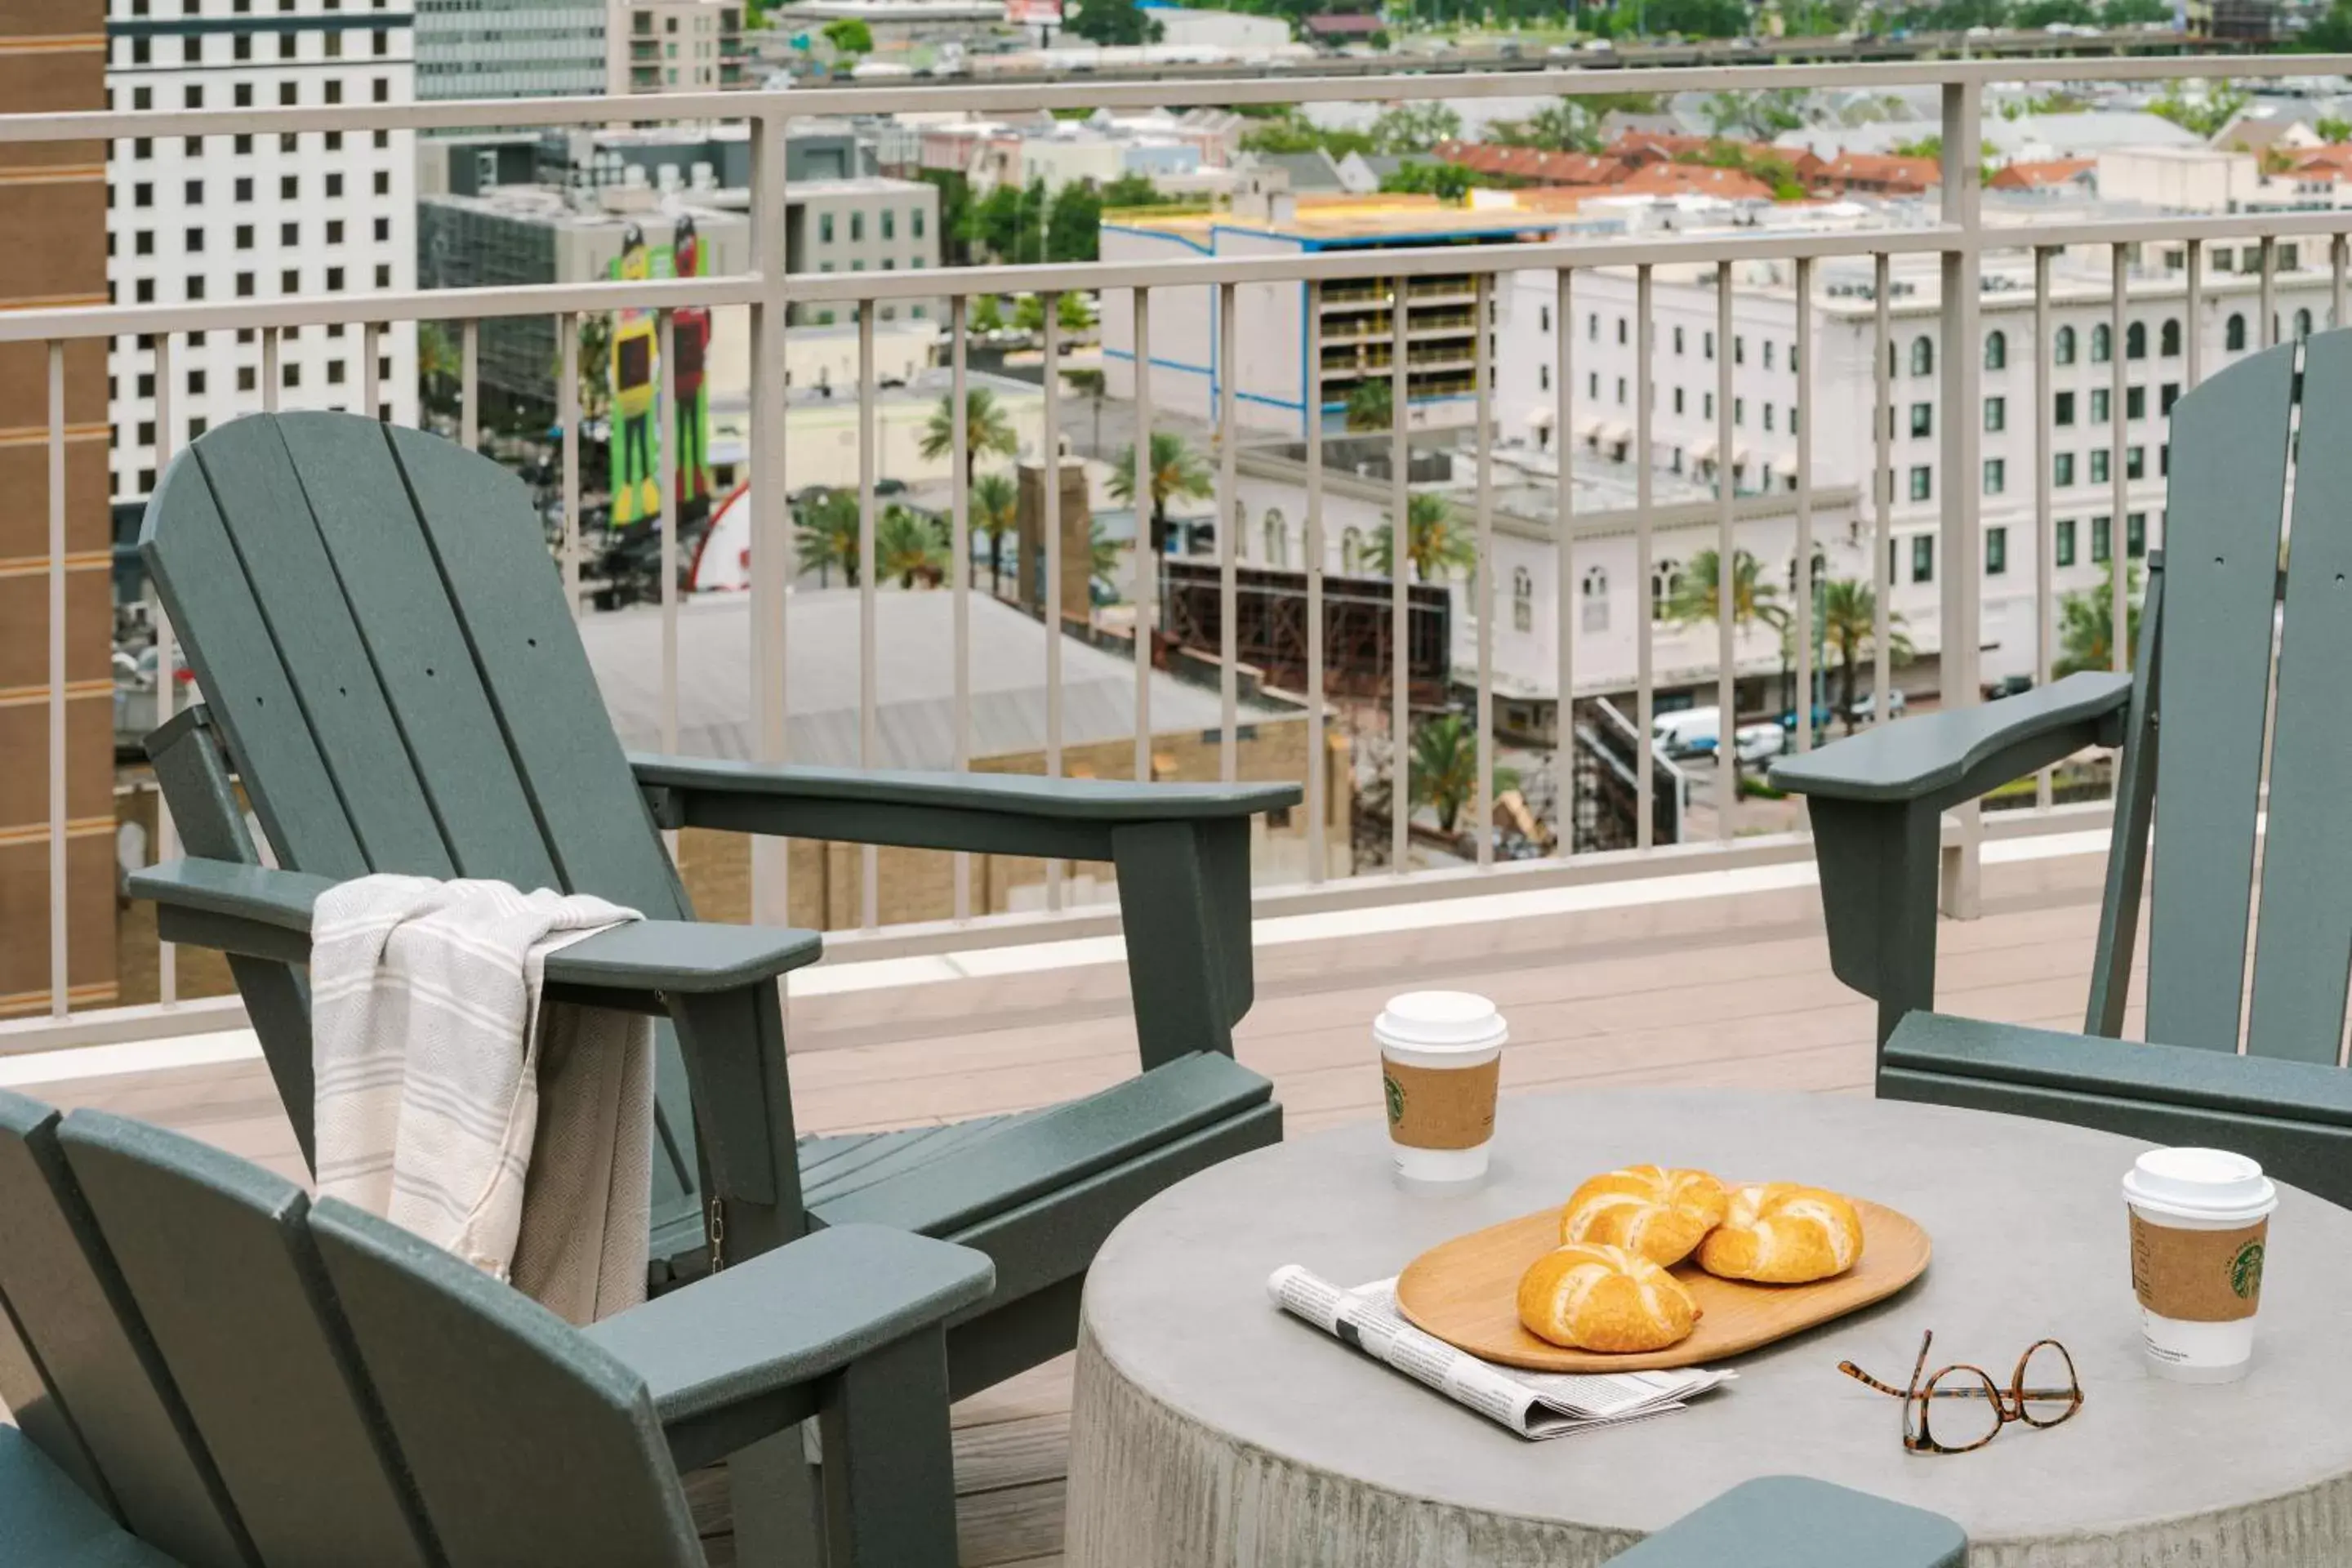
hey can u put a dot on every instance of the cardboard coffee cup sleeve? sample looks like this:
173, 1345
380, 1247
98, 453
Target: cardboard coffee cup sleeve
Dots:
1441, 1108
2197, 1275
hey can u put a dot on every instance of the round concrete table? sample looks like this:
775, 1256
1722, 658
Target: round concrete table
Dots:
1210, 1430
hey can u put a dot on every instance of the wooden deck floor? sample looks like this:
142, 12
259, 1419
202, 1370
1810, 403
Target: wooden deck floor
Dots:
1727, 990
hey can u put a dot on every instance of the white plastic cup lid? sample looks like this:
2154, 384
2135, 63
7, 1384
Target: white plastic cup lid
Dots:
1441, 1021
2199, 1183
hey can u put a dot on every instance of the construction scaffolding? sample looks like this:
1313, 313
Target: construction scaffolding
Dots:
1270, 630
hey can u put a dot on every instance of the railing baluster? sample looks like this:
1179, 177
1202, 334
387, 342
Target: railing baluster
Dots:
567, 403
1319, 784
960, 561
1727, 569
2119, 490
1567, 616
58, 911
2046, 541
772, 546
167, 839
2268, 295
1399, 604
1050, 598
2196, 313
2335, 260
1800, 412
666, 442
371, 380
1147, 548
470, 384
1645, 601
1882, 422
1482, 370
1229, 538
869, 744
269, 370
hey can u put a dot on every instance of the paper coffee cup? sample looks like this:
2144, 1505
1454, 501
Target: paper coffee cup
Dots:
1441, 1062
2199, 1229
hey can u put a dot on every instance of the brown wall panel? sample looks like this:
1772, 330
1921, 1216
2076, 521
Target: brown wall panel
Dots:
24, 378
24, 519
25, 761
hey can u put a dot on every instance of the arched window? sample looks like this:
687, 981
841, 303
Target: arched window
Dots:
1351, 551
1922, 356
2136, 340
1277, 538
2103, 343
1666, 580
2234, 336
1996, 351
2062, 348
1595, 590
2168, 340
1523, 600
2302, 325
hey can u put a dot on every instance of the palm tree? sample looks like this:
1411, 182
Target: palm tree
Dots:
1103, 550
2086, 625
1695, 600
987, 315
1446, 769
1436, 545
1850, 624
986, 429
827, 535
907, 546
439, 363
1370, 406
1176, 472
994, 507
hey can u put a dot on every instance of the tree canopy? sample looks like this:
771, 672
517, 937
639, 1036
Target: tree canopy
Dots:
850, 36
1112, 22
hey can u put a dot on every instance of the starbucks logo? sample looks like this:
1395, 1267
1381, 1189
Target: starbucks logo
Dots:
1396, 1114
2245, 1270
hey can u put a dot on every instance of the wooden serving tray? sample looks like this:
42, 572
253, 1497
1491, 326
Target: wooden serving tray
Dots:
1466, 1292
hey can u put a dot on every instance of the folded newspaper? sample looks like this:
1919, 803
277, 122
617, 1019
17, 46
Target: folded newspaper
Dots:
1535, 1404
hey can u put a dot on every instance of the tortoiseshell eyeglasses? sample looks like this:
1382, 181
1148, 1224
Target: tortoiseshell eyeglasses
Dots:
2037, 1394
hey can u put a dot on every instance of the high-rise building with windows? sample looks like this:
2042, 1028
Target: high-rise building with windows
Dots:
674, 46
255, 215
509, 48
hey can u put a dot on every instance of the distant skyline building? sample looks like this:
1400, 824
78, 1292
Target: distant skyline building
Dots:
674, 46
253, 215
509, 48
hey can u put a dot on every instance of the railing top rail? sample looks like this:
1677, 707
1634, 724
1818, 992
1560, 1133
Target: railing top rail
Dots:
1303, 87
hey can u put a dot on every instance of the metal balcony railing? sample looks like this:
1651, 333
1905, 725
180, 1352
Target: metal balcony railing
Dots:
1332, 280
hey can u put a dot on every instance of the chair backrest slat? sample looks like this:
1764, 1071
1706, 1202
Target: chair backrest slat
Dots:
528, 1444
269, 520
495, 566
393, 593
204, 589
218, 1256
78, 1318
2222, 535
24, 1394
2303, 939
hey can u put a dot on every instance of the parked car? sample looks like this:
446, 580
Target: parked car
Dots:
1684, 733
1866, 705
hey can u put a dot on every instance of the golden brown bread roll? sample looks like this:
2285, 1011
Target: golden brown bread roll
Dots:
1777, 1233
1595, 1297
1658, 1213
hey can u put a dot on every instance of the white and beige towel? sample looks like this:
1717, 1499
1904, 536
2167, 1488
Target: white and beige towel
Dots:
452, 1103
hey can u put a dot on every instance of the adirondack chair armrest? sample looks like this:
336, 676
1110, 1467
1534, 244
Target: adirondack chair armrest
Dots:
730, 1358
1941, 758
1013, 814
255, 911
1794, 1522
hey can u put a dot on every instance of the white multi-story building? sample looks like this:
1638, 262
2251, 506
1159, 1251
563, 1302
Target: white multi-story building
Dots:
255, 215
509, 48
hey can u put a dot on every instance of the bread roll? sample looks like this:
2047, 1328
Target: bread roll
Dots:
1776, 1233
1594, 1298
1658, 1213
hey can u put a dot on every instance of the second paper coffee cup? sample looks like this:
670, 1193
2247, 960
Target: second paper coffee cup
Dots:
1441, 1064
2200, 1234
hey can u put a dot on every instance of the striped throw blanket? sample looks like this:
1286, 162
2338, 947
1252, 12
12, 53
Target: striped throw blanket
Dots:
450, 1101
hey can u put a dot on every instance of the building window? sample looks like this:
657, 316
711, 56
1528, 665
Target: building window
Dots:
1996, 475
380, 89
1923, 558
195, 384
1707, 406
1620, 389
916, 217
1592, 330
195, 193
2135, 462
1996, 551
334, 91
1679, 340
2061, 347
2061, 469
1594, 590
2169, 340
2103, 343
382, 183
1996, 351
1621, 329
1351, 551
384, 275
2101, 406
1665, 582
1738, 349
335, 372
1767, 353
825, 228
2302, 325
857, 228
2061, 545
195, 288
2135, 535
1922, 356
2234, 336
1678, 400
1523, 600
2167, 395
245, 379
1923, 484
1996, 413
244, 286
2136, 340
1768, 416
2099, 465
1277, 538
1740, 410
1923, 417
145, 291
2135, 402
1707, 343
1593, 384
2102, 543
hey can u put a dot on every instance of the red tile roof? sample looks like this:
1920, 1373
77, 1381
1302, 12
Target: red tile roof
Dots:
1693, 180
1536, 165
1344, 23
1882, 174
2041, 176
2332, 161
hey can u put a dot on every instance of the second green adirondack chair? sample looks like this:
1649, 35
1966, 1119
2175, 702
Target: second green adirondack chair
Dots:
2228, 614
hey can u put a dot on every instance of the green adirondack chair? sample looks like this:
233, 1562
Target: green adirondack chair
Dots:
2189, 719
211, 1372
391, 672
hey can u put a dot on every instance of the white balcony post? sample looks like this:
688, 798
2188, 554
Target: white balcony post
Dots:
1963, 480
